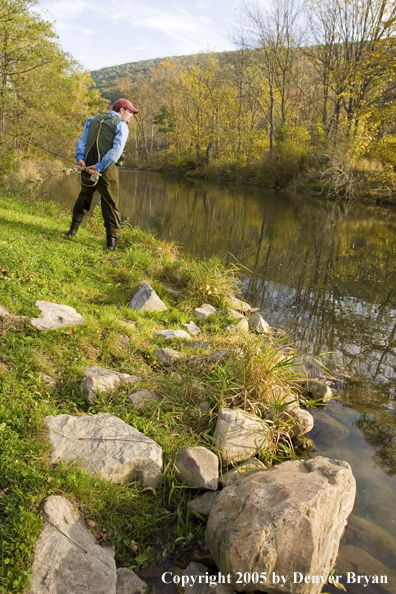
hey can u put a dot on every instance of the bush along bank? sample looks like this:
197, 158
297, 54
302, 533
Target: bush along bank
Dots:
137, 398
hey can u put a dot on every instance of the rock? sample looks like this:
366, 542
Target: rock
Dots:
146, 299
203, 504
233, 329
9, 322
50, 382
219, 356
238, 474
4, 312
257, 322
129, 583
68, 558
238, 304
317, 390
372, 538
198, 468
204, 407
54, 316
106, 446
239, 435
359, 562
327, 430
169, 334
192, 328
283, 520
204, 312
304, 422
207, 585
239, 321
167, 356
98, 379
142, 397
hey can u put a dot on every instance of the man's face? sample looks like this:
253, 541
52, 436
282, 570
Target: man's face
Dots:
126, 115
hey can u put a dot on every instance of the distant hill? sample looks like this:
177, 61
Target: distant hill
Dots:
105, 78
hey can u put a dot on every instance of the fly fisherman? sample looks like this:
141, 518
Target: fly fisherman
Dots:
98, 152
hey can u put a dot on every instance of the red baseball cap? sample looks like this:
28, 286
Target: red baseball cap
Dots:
125, 103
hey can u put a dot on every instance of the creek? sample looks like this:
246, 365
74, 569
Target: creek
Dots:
326, 273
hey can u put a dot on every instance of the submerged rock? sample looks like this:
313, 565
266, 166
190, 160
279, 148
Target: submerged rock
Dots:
68, 558
146, 299
55, 316
283, 520
317, 390
327, 430
106, 446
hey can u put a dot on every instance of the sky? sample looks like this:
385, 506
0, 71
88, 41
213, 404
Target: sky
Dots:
99, 33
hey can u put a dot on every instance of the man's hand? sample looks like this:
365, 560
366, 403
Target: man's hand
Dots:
81, 165
92, 169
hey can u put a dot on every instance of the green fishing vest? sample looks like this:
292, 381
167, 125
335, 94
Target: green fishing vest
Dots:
106, 135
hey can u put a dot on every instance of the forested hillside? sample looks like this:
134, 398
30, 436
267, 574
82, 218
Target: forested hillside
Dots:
106, 78
45, 95
308, 94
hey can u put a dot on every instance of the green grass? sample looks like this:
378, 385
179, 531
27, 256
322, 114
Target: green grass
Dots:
38, 262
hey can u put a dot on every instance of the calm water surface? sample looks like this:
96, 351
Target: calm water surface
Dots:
327, 274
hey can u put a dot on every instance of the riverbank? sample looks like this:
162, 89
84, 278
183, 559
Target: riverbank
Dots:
359, 182
41, 374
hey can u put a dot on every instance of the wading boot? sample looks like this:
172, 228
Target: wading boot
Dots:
111, 243
73, 228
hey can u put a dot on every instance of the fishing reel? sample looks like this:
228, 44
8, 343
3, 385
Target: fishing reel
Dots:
89, 179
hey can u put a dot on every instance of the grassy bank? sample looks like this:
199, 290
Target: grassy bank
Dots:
38, 262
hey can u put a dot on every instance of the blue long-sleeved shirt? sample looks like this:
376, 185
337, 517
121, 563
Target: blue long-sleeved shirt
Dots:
112, 156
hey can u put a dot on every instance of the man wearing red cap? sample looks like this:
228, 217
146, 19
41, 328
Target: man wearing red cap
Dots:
98, 152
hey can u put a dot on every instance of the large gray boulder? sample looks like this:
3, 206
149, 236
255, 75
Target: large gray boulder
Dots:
146, 299
239, 435
68, 559
104, 381
283, 520
198, 468
55, 316
106, 446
